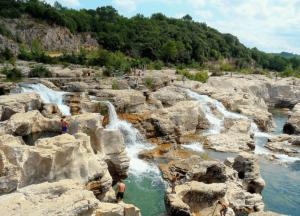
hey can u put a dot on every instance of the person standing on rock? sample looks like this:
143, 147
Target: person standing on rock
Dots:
64, 125
173, 182
121, 190
224, 207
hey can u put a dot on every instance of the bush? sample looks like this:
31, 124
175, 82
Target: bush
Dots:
40, 71
157, 65
227, 67
6, 54
149, 82
201, 76
115, 85
13, 74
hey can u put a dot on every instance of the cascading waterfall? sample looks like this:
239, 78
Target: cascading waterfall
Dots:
48, 96
134, 142
217, 124
144, 178
207, 103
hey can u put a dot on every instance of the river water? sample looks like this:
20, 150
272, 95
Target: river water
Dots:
282, 191
145, 187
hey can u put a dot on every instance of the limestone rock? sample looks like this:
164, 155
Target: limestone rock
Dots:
18, 103
170, 95
182, 118
22, 124
111, 142
194, 197
124, 100
293, 124
51, 159
65, 197
230, 142
247, 167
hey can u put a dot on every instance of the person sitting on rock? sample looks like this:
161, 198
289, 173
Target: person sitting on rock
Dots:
121, 190
64, 125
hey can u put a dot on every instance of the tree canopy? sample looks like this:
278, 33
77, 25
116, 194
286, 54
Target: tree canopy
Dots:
157, 38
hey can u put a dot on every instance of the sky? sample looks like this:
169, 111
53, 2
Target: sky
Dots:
269, 25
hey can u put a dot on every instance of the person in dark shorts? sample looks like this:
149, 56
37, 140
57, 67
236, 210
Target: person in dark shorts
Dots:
121, 190
224, 207
64, 125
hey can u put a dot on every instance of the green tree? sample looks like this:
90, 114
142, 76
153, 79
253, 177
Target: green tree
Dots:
169, 51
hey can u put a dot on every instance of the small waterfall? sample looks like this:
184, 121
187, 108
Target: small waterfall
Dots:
207, 103
134, 142
217, 125
48, 96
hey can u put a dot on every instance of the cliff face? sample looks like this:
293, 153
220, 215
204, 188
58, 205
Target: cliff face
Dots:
52, 38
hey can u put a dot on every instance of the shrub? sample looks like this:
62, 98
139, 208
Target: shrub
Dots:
157, 65
201, 76
40, 71
149, 82
227, 67
115, 85
6, 54
13, 74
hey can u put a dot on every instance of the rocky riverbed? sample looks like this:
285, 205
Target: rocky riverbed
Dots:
120, 127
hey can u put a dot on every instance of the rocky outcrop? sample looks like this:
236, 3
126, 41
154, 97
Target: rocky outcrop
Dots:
194, 197
286, 144
202, 183
128, 101
170, 95
185, 117
65, 197
51, 159
18, 103
293, 124
106, 141
21, 124
235, 137
111, 142
51, 37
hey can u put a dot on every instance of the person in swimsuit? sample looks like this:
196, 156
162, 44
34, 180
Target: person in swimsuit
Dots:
121, 190
64, 125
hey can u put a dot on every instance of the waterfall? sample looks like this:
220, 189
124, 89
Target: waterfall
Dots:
48, 96
217, 124
207, 103
135, 143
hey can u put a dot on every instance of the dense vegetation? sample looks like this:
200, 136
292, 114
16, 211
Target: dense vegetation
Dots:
156, 41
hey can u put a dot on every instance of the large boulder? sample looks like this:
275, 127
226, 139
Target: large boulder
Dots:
21, 124
246, 165
230, 142
111, 143
185, 117
65, 197
293, 124
201, 183
194, 198
170, 95
130, 101
51, 159
18, 103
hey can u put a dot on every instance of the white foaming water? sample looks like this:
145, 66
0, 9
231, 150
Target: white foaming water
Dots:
135, 144
207, 103
217, 124
196, 147
48, 96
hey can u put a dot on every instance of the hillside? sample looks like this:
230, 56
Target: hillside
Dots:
157, 38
